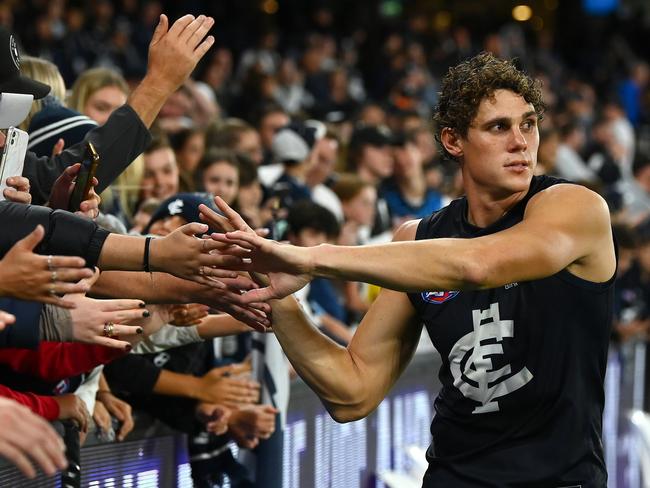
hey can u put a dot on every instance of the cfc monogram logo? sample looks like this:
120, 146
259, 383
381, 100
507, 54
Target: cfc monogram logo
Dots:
471, 361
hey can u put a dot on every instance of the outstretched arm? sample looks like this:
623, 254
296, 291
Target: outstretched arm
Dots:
564, 227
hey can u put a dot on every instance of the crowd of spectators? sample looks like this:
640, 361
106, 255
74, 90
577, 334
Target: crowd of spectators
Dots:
317, 138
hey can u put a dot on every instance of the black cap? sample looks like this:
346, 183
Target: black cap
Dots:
11, 80
371, 135
184, 204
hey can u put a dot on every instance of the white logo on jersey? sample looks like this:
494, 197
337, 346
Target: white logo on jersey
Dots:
478, 380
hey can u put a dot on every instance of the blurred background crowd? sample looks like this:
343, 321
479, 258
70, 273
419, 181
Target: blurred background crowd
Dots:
313, 119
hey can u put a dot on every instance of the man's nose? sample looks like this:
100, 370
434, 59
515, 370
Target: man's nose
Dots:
518, 141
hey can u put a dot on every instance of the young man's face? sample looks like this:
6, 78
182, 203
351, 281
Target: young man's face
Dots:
499, 151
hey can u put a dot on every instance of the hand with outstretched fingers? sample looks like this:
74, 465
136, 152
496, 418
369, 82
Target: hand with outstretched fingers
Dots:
175, 51
29, 276
287, 266
186, 256
102, 321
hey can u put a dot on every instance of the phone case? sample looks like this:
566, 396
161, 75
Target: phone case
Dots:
13, 156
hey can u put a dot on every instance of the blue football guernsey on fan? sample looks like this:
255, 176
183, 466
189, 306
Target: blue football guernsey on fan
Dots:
522, 372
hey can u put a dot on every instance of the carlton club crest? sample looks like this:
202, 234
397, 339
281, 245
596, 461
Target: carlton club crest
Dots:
470, 361
438, 297
13, 49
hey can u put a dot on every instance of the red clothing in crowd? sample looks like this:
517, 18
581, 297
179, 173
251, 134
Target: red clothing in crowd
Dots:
52, 361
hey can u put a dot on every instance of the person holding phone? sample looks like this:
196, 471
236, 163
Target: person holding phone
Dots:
174, 52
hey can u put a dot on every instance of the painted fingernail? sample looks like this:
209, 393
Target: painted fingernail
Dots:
146, 313
128, 348
142, 305
139, 330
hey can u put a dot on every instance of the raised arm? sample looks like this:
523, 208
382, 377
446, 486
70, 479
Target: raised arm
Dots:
173, 54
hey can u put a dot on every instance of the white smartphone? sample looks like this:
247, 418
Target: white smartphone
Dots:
13, 156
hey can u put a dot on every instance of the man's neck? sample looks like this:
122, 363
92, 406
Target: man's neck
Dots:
484, 208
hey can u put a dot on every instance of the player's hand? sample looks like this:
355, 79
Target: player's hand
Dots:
17, 190
30, 276
287, 266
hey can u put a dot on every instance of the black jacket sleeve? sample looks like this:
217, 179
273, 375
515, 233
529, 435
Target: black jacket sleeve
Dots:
25, 332
132, 375
65, 233
118, 142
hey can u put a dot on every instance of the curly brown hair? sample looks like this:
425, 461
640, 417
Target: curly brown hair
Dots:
466, 85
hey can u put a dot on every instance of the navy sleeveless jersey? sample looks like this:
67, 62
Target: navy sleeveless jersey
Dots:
522, 372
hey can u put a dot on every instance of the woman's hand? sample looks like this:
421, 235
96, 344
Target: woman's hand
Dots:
101, 321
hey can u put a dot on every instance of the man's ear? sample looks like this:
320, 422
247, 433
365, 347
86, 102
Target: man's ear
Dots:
452, 142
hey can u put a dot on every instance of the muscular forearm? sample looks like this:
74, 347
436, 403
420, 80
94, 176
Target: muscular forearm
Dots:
329, 369
409, 266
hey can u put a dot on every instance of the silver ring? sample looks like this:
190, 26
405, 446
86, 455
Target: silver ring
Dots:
49, 262
52, 290
54, 276
201, 272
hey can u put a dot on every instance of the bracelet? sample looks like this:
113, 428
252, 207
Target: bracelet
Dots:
145, 263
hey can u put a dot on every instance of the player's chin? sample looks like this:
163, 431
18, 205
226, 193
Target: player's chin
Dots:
519, 180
